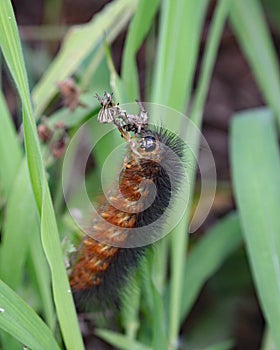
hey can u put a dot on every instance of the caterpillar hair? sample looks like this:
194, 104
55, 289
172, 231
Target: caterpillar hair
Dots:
132, 213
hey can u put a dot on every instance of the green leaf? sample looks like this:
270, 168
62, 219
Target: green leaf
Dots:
61, 289
116, 83
120, 341
21, 223
10, 44
214, 247
179, 234
78, 44
208, 60
138, 29
43, 280
248, 22
19, 320
66, 312
21, 236
267, 342
160, 340
255, 163
272, 9
181, 23
10, 152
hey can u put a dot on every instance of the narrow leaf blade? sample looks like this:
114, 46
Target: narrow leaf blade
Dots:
256, 176
19, 320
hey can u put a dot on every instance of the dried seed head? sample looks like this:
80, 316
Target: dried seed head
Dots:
70, 94
44, 132
59, 146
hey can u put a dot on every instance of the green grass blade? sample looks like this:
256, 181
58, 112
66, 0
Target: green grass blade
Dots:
43, 280
255, 163
138, 29
18, 233
61, 289
248, 22
209, 58
10, 152
215, 247
180, 28
66, 312
130, 309
179, 235
78, 44
19, 320
116, 82
160, 340
267, 341
21, 236
120, 341
181, 24
153, 304
11, 49
9, 342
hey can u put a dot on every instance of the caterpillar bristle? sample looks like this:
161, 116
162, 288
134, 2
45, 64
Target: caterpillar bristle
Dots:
103, 263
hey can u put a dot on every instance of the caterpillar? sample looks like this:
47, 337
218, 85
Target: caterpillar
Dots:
132, 213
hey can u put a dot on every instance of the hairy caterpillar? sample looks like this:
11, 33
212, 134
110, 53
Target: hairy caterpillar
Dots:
151, 173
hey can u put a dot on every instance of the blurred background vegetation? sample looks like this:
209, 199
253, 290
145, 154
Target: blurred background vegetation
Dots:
217, 61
